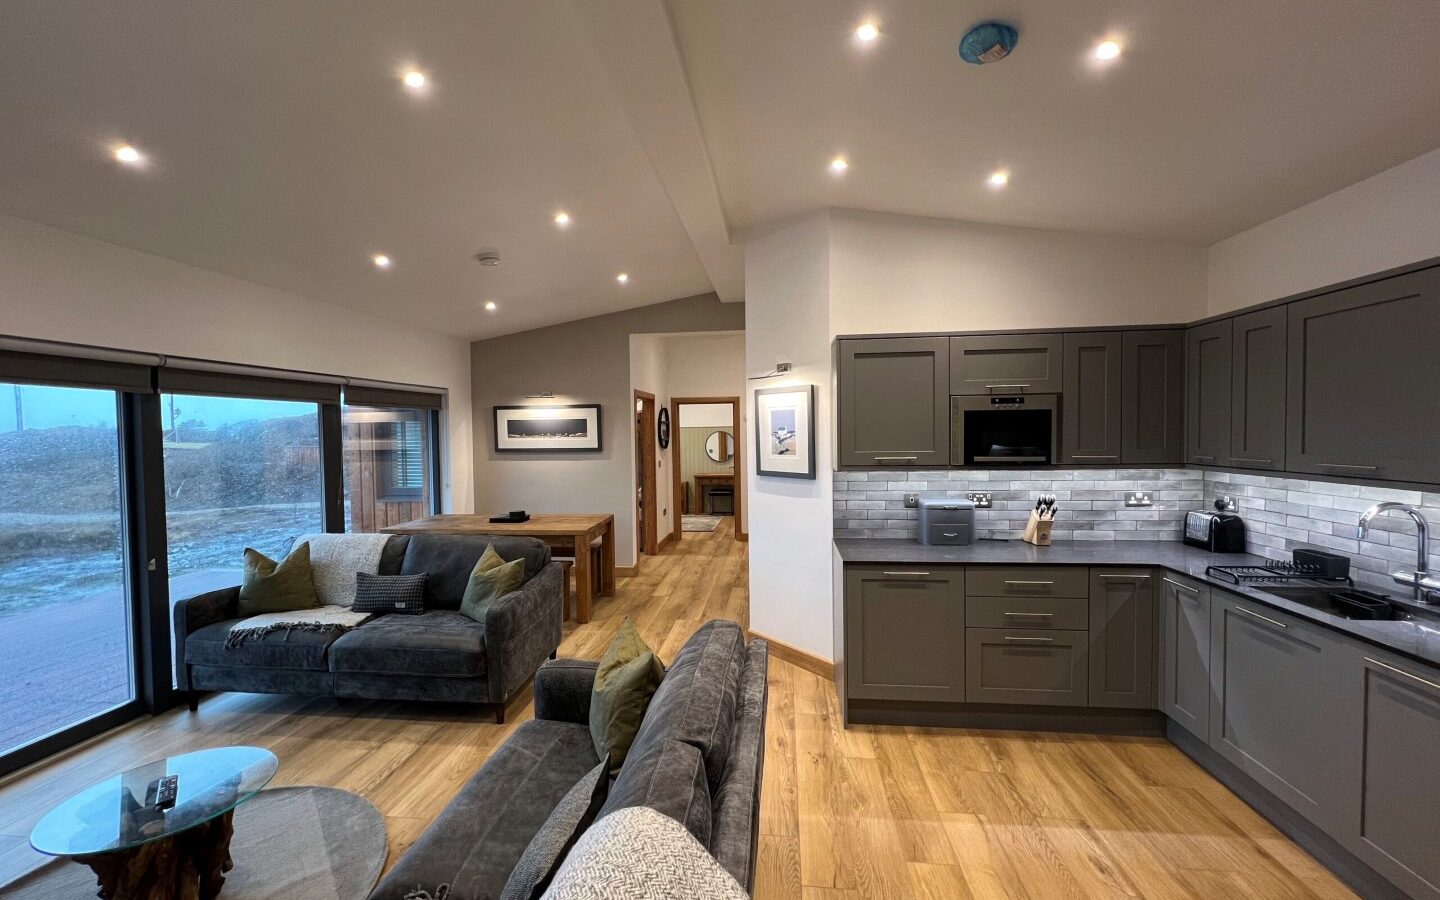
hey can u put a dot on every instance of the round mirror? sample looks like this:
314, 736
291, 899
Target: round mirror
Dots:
720, 446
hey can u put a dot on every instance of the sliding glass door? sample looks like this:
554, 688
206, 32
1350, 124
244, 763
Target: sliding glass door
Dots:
389, 466
66, 636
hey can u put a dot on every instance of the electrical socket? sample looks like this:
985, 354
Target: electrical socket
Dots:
1139, 498
912, 501
981, 499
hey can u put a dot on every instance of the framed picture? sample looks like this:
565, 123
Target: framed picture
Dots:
785, 432
547, 429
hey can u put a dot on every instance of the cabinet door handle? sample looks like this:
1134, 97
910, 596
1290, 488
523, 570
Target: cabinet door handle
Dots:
906, 574
1031, 615
994, 386
1029, 582
1029, 640
1254, 615
949, 534
1351, 468
1199, 458
896, 458
1389, 668
1183, 587
1135, 578
1093, 456
1258, 462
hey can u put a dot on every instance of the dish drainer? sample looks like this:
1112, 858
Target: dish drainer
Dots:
1275, 573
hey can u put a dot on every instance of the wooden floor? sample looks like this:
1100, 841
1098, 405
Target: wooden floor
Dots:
869, 812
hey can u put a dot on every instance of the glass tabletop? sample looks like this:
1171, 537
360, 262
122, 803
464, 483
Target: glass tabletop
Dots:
115, 814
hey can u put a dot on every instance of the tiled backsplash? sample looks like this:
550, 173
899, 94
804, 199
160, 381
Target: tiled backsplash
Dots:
1280, 513
1284, 513
1091, 502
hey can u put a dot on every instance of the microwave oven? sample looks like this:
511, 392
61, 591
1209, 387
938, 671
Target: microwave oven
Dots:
1011, 430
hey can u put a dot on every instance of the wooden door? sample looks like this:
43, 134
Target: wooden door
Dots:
1154, 419
1184, 648
646, 538
1090, 408
1122, 639
1208, 393
1007, 364
1257, 390
905, 632
894, 402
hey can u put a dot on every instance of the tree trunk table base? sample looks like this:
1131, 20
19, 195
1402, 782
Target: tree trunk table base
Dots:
190, 865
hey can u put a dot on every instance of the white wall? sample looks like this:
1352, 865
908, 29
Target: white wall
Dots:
787, 317
1385, 221
647, 373
59, 286
902, 273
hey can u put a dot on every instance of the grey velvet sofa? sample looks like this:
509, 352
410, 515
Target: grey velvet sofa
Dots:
698, 758
437, 655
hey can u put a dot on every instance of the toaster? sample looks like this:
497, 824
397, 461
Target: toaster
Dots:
1215, 531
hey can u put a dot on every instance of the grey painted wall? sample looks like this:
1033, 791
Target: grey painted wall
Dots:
586, 361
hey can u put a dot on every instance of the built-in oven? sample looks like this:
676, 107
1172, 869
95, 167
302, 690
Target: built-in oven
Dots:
1009, 430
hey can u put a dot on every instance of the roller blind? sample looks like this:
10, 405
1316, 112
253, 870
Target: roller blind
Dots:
364, 395
66, 371
226, 384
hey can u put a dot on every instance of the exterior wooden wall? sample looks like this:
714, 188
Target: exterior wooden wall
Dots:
367, 512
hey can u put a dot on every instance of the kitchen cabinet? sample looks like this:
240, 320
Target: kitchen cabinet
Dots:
1362, 365
1208, 394
1153, 420
1028, 581
1393, 825
904, 630
1122, 639
1257, 390
1026, 666
1184, 650
1007, 364
1091, 410
894, 408
1274, 713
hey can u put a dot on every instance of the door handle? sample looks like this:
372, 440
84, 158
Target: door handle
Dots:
1203, 459
1389, 668
1351, 468
1093, 456
1031, 615
1183, 587
994, 386
906, 574
1029, 582
1254, 615
896, 458
1135, 578
1030, 640
1258, 462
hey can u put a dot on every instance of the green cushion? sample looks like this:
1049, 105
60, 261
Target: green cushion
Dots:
270, 587
625, 680
492, 577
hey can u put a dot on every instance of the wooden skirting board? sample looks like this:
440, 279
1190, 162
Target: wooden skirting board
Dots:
626, 571
796, 657
660, 547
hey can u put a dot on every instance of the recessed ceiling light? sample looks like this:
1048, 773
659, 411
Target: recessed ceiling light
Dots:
562, 219
867, 32
415, 79
623, 278
1107, 50
381, 261
839, 164
998, 179
128, 155
490, 306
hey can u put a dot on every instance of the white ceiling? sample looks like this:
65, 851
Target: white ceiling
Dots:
1220, 114
282, 148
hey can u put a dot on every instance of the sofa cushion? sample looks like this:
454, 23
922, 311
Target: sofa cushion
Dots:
294, 649
696, 701
625, 679
450, 558
400, 594
640, 853
477, 840
438, 642
268, 586
574, 813
733, 838
668, 777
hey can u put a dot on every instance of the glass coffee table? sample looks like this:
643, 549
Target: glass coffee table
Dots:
138, 850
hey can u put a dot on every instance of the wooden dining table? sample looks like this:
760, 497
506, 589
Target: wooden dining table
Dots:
563, 530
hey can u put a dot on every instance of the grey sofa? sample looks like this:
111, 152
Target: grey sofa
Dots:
437, 655
698, 758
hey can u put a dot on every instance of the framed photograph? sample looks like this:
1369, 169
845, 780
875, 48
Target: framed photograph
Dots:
785, 432
547, 429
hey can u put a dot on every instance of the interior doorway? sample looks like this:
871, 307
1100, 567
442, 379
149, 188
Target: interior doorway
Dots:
646, 539
708, 468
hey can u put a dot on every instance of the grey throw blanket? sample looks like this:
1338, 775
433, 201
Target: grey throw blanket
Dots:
321, 618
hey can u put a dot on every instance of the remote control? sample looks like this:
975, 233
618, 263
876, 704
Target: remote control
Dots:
165, 794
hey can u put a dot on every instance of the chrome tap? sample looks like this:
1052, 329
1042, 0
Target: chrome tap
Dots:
1427, 589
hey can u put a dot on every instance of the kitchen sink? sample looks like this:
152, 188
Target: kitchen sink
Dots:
1345, 602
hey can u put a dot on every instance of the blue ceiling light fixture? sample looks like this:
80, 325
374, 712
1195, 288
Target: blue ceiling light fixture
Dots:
988, 42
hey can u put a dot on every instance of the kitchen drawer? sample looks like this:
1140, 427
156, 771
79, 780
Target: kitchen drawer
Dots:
1028, 581
951, 535
1062, 613
1027, 666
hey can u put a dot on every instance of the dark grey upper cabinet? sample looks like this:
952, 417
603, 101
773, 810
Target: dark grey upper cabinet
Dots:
1208, 393
1007, 363
1257, 390
894, 402
1363, 363
1091, 408
1184, 648
1122, 639
905, 633
1153, 422
1274, 713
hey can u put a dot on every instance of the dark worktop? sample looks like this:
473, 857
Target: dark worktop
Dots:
1416, 638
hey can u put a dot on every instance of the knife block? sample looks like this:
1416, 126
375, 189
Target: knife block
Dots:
1037, 530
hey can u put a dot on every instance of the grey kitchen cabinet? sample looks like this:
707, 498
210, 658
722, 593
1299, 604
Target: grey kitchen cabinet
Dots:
1393, 822
894, 405
1007, 364
1257, 390
1090, 411
1026, 666
1208, 392
1362, 366
1184, 649
1153, 420
1122, 639
905, 632
1028, 581
1274, 713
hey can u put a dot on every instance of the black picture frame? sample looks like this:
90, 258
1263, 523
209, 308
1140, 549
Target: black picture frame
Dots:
762, 431
662, 427
498, 419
